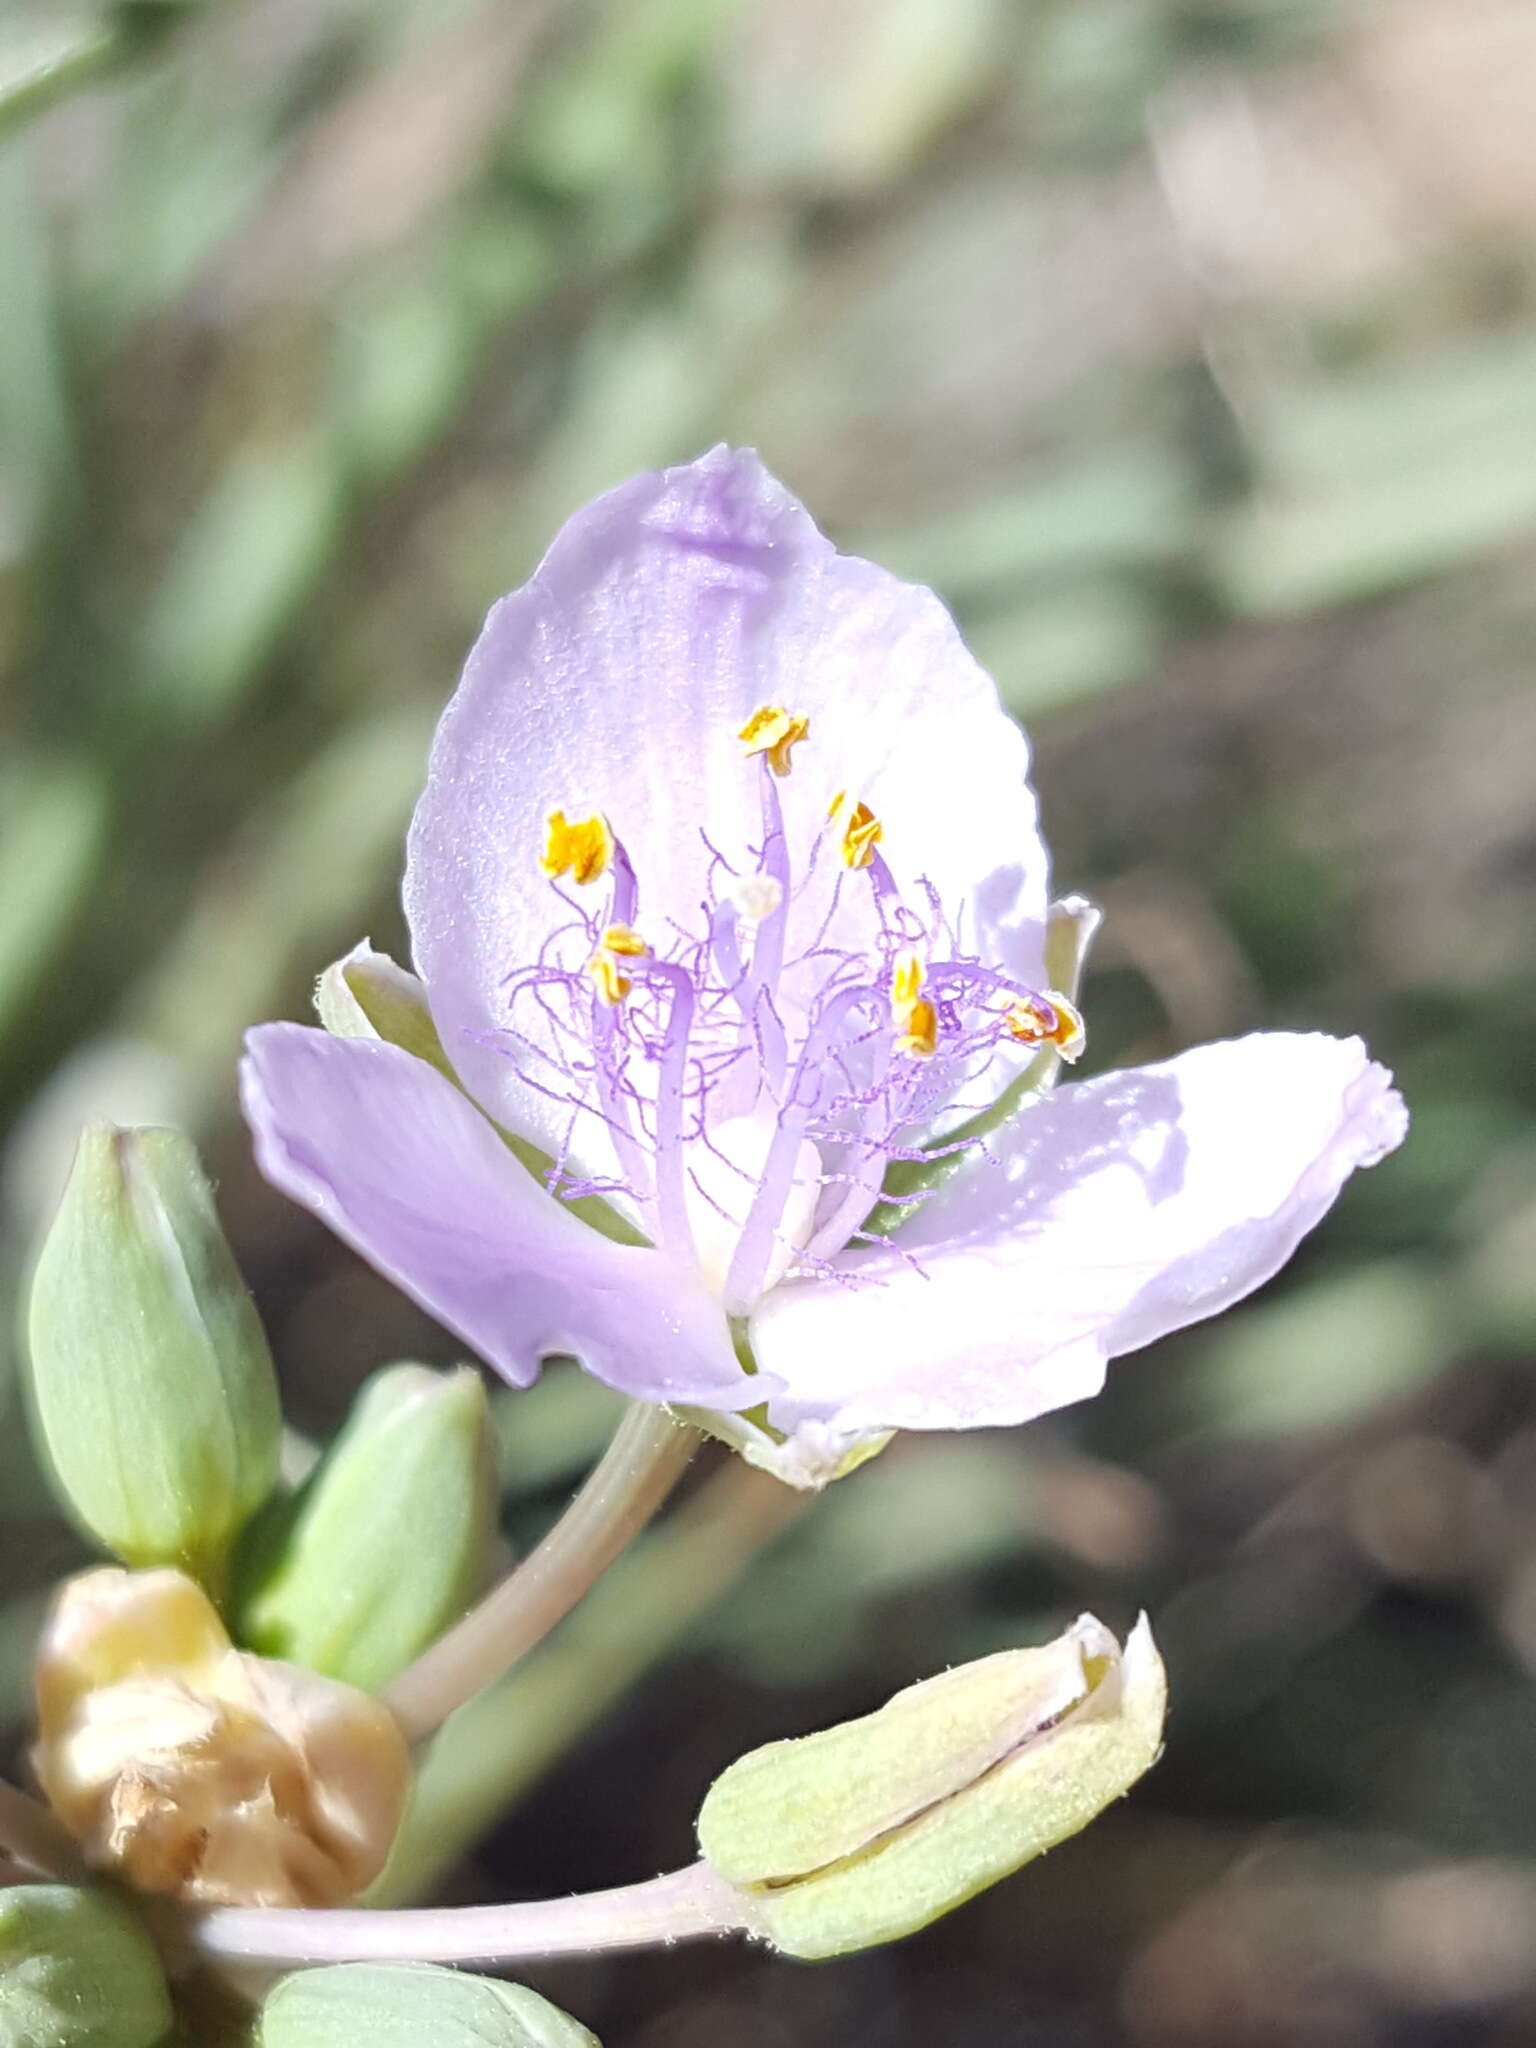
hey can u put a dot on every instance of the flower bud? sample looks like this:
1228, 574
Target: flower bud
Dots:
151, 1380
389, 1539
188, 1767
77, 1971
412, 2005
870, 1830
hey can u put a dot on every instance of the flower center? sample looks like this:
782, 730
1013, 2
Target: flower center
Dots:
754, 1070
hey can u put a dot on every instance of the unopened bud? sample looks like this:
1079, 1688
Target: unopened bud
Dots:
389, 1539
151, 1380
77, 1971
188, 1767
412, 2005
870, 1830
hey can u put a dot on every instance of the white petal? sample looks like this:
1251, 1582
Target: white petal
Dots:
1107, 1215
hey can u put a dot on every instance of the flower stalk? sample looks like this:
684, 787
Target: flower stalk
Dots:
683, 1905
509, 1736
634, 1476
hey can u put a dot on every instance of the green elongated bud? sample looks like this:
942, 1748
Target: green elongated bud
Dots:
868, 1831
77, 1971
389, 1539
412, 2005
151, 1382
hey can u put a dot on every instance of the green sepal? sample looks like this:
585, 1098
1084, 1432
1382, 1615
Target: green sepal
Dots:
389, 1538
411, 2005
77, 1971
365, 994
151, 1384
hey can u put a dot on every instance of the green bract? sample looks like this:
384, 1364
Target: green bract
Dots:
870, 1830
151, 1380
388, 1541
76, 1971
409, 2005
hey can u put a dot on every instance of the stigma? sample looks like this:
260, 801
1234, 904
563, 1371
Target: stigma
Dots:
774, 732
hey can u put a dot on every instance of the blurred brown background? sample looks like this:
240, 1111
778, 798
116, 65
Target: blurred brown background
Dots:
1187, 347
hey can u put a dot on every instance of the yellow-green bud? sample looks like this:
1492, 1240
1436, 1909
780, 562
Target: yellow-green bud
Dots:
77, 1971
870, 1830
151, 1381
389, 1540
185, 1766
412, 2005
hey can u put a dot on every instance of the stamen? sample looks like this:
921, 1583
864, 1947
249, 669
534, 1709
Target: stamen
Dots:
756, 1091
675, 1229
773, 731
860, 830
617, 943
581, 850
1048, 1019
767, 962
906, 985
921, 1037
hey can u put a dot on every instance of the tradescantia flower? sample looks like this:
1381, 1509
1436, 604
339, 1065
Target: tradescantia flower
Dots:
729, 908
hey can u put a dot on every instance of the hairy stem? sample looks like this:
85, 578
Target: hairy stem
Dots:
632, 1479
31, 1837
682, 1906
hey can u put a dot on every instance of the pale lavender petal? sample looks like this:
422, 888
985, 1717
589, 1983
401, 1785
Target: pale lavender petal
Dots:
1109, 1214
404, 1168
616, 681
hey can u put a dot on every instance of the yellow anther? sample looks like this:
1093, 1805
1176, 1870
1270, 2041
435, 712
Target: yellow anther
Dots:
612, 986
921, 1035
773, 731
617, 943
906, 985
1051, 1020
581, 850
861, 830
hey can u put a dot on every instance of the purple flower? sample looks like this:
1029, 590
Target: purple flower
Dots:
727, 894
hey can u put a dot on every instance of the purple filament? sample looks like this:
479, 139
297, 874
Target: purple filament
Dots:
723, 1021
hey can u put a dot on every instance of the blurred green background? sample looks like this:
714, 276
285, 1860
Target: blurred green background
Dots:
1187, 347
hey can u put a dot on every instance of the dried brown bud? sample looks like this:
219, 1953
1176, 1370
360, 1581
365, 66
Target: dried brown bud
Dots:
189, 1767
